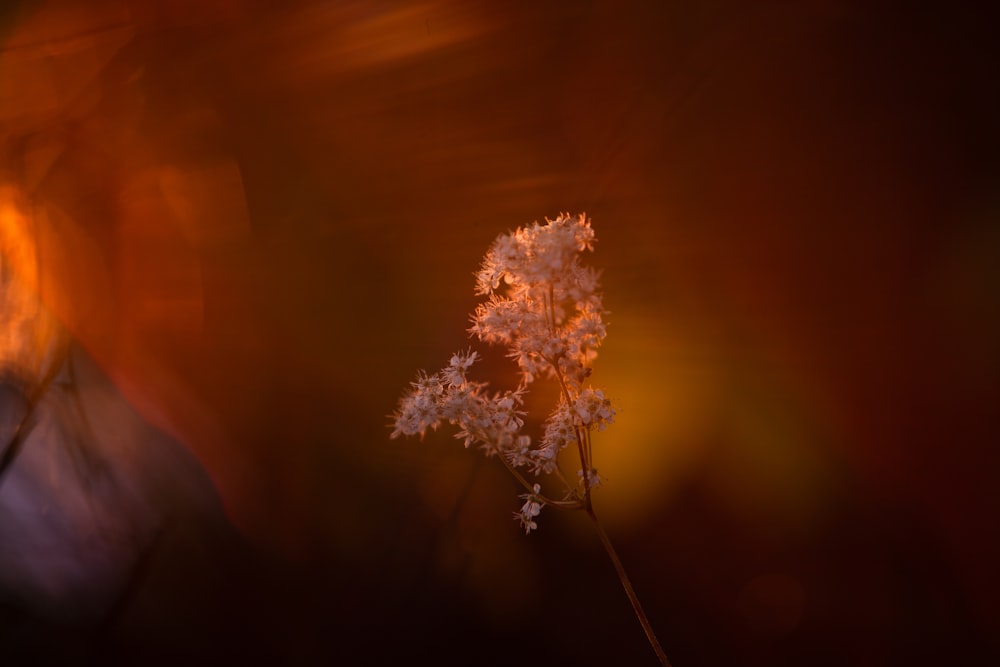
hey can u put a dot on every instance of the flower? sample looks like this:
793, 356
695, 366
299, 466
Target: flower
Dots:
454, 374
532, 507
560, 431
592, 409
543, 303
419, 409
544, 306
593, 479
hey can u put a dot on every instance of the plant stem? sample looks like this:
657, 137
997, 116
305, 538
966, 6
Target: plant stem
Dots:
560, 504
629, 591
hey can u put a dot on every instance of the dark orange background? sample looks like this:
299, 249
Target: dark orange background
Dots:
262, 218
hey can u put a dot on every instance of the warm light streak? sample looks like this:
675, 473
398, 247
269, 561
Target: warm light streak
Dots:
26, 328
50, 64
360, 36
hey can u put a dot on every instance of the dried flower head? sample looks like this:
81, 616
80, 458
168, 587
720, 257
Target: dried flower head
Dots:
542, 303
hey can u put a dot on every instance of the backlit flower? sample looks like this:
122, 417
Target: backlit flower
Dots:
543, 305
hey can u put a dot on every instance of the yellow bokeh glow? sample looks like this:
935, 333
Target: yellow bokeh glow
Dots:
664, 396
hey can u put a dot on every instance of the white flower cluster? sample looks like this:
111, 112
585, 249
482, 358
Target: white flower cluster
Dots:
544, 307
543, 303
492, 422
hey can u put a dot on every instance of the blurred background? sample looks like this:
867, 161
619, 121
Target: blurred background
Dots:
255, 221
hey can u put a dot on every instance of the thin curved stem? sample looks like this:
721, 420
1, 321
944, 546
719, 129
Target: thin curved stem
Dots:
560, 504
629, 591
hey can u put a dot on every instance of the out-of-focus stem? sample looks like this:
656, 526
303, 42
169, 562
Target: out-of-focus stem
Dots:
627, 585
